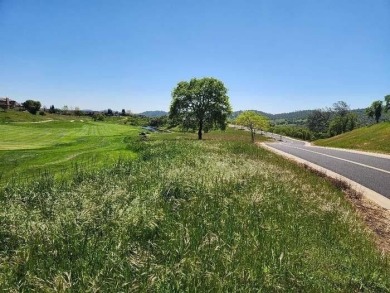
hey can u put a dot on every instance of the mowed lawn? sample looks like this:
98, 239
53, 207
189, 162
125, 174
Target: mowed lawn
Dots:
29, 148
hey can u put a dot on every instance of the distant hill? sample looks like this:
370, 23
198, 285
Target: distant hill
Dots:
153, 114
299, 117
295, 117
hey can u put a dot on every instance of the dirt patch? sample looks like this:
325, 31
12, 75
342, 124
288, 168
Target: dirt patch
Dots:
376, 218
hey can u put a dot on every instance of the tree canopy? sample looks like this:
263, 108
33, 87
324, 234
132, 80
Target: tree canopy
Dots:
332, 121
387, 103
32, 106
253, 121
318, 120
343, 119
375, 110
341, 108
200, 104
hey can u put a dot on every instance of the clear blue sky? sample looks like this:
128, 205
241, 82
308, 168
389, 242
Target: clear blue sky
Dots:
273, 55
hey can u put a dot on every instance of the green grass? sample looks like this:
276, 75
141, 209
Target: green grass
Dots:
30, 148
373, 138
219, 215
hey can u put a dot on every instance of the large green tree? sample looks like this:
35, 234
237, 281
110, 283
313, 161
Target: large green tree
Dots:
252, 121
200, 104
32, 106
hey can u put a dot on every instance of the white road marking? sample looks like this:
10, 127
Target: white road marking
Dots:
341, 159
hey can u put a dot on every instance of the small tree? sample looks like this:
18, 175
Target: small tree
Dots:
77, 111
200, 104
32, 106
253, 121
375, 110
52, 110
110, 112
65, 110
98, 117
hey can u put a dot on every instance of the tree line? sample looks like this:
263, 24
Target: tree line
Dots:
332, 121
203, 104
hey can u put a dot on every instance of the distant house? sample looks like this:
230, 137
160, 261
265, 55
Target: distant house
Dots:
7, 103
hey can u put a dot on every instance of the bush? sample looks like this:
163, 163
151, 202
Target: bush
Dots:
293, 131
98, 117
32, 106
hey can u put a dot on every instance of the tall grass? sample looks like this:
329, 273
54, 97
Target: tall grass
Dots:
186, 216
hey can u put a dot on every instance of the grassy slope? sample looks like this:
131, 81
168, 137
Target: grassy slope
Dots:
206, 216
370, 138
28, 148
24, 116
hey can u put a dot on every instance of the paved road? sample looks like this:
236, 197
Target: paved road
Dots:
370, 171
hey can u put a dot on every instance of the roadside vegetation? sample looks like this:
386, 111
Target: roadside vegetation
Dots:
298, 132
322, 123
215, 215
373, 138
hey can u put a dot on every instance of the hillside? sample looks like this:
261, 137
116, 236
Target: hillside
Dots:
373, 138
24, 116
153, 114
295, 115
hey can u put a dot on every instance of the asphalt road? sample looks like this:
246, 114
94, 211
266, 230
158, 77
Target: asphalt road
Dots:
370, 171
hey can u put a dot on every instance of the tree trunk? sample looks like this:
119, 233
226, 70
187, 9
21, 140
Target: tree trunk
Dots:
200, 130
253, 135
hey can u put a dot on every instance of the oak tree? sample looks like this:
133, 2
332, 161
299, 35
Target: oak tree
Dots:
200, 104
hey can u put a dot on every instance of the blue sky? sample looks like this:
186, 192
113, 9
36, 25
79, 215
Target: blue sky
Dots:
273, 55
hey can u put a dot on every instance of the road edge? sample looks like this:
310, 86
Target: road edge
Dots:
366, 192
378, 155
